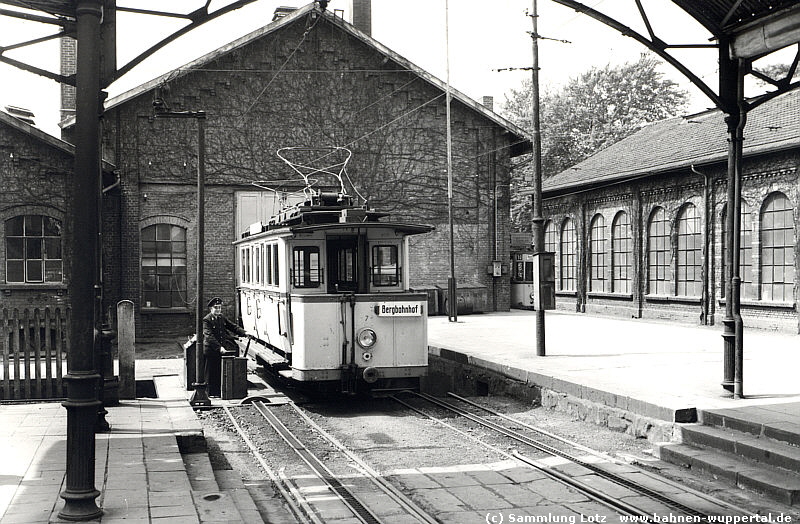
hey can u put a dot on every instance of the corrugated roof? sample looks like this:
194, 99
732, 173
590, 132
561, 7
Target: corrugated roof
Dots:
726, 16
684, 141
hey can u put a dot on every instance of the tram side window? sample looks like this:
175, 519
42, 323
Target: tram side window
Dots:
257, 263
267, 254
385, 270
245, 265
306, 270
275, 266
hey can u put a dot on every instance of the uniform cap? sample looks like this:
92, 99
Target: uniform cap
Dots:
215, 301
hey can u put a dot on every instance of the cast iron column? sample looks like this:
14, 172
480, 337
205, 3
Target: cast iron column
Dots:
200, 395
537, 219
82, 379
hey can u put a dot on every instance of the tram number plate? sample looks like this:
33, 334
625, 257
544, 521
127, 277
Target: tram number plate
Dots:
398, 309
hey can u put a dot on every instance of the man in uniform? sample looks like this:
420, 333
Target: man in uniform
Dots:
217, 341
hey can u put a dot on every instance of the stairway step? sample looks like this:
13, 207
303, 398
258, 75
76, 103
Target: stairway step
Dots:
760, 449
776, 421
775, 483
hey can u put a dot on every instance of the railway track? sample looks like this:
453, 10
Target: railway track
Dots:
382, 503
582, 467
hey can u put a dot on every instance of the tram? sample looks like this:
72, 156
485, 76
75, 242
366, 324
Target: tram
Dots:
324, 289
522, 282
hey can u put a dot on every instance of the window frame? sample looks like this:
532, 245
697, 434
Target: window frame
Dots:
569, 257
621, 253
177, 292
769, 258
307, 282
597, 255
689, 252
397, 277
28, 241
661, 266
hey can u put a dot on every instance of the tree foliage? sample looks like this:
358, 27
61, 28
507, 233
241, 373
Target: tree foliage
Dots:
591, 112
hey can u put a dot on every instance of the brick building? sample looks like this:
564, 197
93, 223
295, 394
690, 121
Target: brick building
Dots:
35, 173
309, 78
638, 229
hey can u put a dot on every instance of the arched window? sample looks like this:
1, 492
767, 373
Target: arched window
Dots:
551, 237
33, 249
164, 266
621, 253
745, 251
690, 248
569, 249
658, 253
597, 259
777, 249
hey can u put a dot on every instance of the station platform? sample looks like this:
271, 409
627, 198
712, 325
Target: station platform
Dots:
152, 466
665, 370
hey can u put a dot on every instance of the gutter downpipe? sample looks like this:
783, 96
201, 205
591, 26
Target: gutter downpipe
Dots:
704, 311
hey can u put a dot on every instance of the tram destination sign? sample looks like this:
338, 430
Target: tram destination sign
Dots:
398, 309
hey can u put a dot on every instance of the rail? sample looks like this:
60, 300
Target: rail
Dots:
33, 348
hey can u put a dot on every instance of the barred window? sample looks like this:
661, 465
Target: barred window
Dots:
658, 253
569, 249
777, 249
597, 245
745, 252
33, 249
621, 253
690, 244
164, 266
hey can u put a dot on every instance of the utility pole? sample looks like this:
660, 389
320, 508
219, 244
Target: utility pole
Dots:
452, 310
538, 220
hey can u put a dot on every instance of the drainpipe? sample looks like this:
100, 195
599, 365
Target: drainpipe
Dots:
704, 306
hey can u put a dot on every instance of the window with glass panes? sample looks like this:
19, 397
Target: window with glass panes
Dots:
385, 269
597, 245
621, 253
551, 242
690, 245
164, 266
33, 249
658, 253
777, 249
569, 249
745, 252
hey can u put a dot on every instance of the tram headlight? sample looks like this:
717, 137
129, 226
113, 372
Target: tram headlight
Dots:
366, 338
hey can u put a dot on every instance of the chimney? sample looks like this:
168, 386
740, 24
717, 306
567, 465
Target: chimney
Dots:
361, 11
282, 11
20, 113
488, 102
69, 65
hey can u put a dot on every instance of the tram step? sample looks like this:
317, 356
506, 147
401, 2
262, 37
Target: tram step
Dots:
756, 448
776, 483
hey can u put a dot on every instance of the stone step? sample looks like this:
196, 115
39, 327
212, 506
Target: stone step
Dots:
776, 421
776, 483
758, 449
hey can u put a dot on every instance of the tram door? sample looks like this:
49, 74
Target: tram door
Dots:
342, 264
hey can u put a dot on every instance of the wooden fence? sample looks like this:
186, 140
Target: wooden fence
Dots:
33, 348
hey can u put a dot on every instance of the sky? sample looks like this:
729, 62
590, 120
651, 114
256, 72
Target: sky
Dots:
485, 36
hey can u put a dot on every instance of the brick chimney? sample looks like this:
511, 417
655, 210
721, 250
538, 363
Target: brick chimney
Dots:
69, 65
361, 11
488, 102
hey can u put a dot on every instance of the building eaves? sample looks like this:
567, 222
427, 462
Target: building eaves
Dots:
520, 142
45, 138
678, 143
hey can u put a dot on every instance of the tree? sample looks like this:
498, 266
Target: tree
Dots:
591, 112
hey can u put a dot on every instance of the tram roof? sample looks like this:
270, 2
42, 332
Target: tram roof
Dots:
400, 227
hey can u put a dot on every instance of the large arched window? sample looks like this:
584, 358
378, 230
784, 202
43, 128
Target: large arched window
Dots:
164, 266
658, 253
690, 249
777, 249
33, 249
551, 243
569, 249
621, 253
745, 252
597, 259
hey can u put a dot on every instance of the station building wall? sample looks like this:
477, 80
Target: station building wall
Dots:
391, 119
618, 275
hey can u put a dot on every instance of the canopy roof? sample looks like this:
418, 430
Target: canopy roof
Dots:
726, 17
